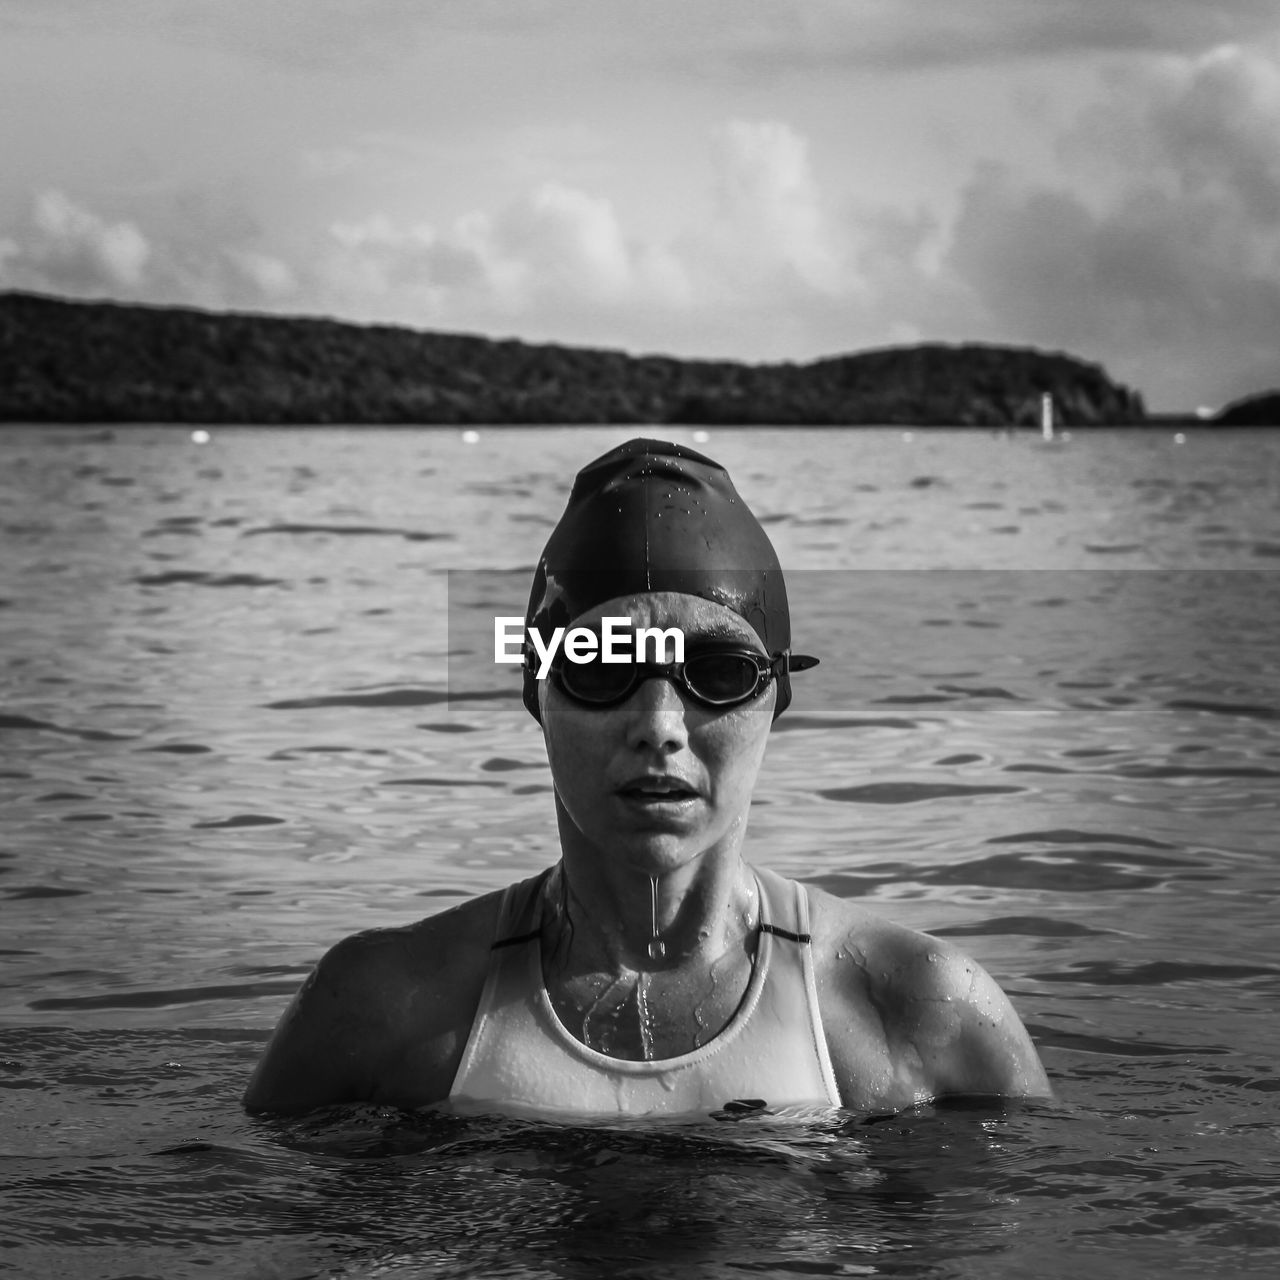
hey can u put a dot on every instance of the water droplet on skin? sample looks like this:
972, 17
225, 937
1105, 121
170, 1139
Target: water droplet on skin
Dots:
601, 1018
657, 948
646, 1018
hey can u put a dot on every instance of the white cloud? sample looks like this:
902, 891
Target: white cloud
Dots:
66, 247
556, 259
565, 242
269, 278
63, 247
786, 37
375, 267
756, 39
1174, 278
559, 262
770, 215
1217, 120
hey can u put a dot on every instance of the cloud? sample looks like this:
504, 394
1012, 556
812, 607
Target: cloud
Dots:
555, 263
267, 278
793, 36
563, 242
1156, 251
66, 247
1174, 279
559, 261
1217, 121
377, 266
684, 37
770, 216
63, 247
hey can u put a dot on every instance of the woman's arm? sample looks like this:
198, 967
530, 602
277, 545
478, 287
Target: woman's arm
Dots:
384, 1017
327, 1045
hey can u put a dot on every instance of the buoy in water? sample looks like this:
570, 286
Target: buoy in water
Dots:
200, 436
470, 437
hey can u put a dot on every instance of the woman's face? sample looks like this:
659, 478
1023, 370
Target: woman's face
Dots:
658, 780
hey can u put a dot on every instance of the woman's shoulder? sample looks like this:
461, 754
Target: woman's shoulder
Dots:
419, 951
941, 1019
845, 925
384, 1015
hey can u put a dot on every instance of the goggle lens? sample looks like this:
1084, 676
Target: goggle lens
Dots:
721, 678
717, 677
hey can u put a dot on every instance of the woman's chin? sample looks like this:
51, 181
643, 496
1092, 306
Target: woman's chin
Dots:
659, 856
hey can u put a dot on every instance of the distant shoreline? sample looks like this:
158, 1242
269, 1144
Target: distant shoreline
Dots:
1167, 422
116, 364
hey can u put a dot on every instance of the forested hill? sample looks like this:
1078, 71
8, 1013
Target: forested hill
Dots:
1262, 410
106, 362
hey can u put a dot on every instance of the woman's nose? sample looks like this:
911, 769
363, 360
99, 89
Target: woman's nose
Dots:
657, 716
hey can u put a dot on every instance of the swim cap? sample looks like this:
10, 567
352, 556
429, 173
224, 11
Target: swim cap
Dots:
653, 516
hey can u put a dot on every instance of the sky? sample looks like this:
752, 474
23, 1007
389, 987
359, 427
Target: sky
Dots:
745, 179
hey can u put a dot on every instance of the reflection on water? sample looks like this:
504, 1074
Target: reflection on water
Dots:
247, 709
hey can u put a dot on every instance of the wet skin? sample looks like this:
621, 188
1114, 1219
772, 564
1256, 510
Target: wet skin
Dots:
654, 791
652, 798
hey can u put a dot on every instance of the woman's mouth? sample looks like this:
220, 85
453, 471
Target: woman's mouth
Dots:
657, 789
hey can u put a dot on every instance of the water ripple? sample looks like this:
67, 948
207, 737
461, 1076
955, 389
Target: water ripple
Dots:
350, 531
10, 721
1096, 872
790, 723
1248, 711
43, 891
1069, 835
1086, 1042
439, 782
1154, 973
1021, 926
1152, 771
241, 820
911, 792
393, 698
199, 578
163, 998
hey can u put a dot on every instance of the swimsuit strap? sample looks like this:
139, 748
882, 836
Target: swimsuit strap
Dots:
802, 938
789, 899
518, 922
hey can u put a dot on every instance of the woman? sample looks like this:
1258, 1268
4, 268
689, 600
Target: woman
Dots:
653, 969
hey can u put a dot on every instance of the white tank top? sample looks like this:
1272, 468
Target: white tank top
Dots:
520, 1056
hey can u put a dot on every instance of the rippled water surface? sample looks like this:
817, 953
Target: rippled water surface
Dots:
245, 709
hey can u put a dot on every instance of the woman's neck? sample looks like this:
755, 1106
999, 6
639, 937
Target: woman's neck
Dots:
625, 917
644, 967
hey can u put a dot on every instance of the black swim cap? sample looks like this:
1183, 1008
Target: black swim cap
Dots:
653, 516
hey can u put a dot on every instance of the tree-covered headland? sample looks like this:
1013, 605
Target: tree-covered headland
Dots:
63, 361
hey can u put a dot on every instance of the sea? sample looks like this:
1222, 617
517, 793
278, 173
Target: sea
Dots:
246, 708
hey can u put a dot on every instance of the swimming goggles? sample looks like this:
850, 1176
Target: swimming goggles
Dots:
718, 677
